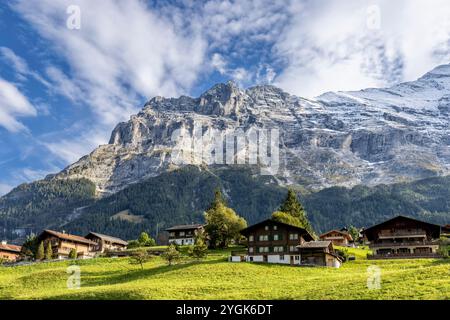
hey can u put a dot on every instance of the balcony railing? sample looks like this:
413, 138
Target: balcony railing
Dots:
403, 233
403, 244
403, 255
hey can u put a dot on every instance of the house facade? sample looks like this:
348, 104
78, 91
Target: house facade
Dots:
183, 234
106, 243
337, 237
272, 242
9, 252
63, 243
403, 237
319, 253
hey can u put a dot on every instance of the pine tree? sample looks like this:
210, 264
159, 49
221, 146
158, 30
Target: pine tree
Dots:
292, 207
199, 250
40, 254
49, 252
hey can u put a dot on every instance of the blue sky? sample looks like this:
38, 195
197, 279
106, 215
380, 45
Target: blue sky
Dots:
62, 90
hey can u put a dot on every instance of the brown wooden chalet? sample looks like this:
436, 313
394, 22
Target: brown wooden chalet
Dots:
106, 243
403, 237
319, 253
62, 243
183, 234
9, 252
446, 231
337, 237
272, 242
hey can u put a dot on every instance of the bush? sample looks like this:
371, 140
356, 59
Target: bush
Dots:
73, 254
171, 255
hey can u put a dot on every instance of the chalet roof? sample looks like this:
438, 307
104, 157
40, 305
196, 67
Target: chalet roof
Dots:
344, 233
10, 248
108, 238
271, 221
399, 218
315, 244
66, 236
185, 227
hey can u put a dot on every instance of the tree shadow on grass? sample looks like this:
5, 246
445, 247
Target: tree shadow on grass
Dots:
93, 279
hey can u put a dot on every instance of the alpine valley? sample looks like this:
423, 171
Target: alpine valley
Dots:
355, 158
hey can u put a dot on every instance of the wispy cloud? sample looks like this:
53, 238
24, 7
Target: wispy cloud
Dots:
13, 104
357, 44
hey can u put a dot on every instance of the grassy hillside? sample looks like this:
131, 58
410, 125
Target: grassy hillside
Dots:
181, 196
215, 278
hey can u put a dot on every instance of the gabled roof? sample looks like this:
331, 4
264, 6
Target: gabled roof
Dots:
315, 244
271, 221
66, 236
401, 217
108, 238
344, 233
185, 227
10, 248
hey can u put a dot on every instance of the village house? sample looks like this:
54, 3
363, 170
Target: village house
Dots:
403, 237
272, 242
9, 252
446, 231
337, 237
62, 243
319, 253
184, 234
106, 243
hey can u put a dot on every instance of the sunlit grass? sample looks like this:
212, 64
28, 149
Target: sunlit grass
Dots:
215, 278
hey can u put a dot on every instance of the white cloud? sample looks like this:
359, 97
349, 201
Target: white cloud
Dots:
13, 104
339, 48
15, 61
124, 53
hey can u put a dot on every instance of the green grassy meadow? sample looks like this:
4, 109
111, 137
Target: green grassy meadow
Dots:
215, 278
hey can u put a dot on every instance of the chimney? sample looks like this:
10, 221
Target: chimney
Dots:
64, 232
4, 242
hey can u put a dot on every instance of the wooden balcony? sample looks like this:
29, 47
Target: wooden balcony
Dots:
418, 255
403, 244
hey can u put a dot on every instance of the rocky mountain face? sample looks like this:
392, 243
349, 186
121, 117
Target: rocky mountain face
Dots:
369, 137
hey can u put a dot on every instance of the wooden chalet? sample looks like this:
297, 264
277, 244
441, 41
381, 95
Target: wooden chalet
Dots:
403, 237
319, 253
9, 252
106, 243
62, 243
337, 237
183, 234
445, 232
271, 241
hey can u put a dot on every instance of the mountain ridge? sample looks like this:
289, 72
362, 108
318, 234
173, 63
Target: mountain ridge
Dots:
366, 137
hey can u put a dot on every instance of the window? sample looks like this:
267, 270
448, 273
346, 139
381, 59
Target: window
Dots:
263, 249
292, 248
172, 234
275, 228
267, 228
250, 249
281, 257
275, 237
181, 233
251, 238
278, 249
297, 258
264, 237
293, 236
